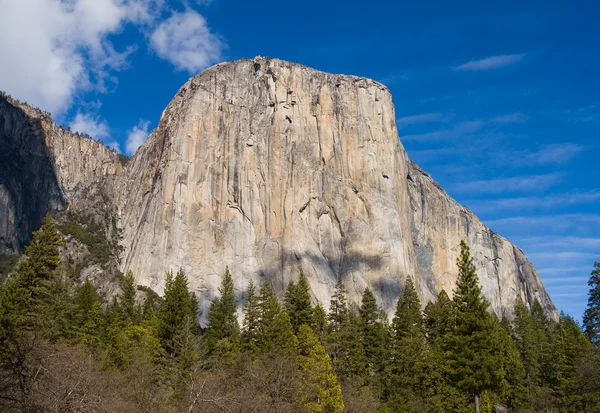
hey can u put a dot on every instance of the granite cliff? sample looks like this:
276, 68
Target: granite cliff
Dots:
268, 167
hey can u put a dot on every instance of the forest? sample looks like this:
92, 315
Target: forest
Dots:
65, 348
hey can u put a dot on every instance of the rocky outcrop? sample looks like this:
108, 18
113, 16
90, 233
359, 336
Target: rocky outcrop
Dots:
44, 167
268, 167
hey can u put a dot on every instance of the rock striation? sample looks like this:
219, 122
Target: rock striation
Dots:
268, 167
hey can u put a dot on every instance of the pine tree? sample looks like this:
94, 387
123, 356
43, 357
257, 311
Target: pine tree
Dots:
222, 318
129, 312
27, 309
338, 307
408, 318
513, 391
591, 317
275, 331
526, 337
250, 333
177, 314
87, 307
373, 333
407, 368
439, 318
319, 389
475, 365
351, 361
297, 302
319, 321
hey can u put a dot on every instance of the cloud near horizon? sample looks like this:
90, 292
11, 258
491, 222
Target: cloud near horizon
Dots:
67, 49
489, 63
136, 137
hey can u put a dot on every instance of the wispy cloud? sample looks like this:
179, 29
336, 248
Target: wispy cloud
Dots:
136, 136
565, 280
511, 118
574, 224
588, 113
454, 132
554, 154
424, 118
514, 184
549, 272
89, 124
532, 202
185, 40
492, 62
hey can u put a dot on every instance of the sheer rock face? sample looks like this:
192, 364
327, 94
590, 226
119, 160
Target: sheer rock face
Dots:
268, 167
43, 168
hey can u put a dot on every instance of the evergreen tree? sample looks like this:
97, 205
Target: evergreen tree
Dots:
338, 307
222, 317
27, 309
409, 353
87, 310
177, 314
513, 391
591, 317
408, 319
373, 333
319, 321
476, 366
250, 333
319, 389
129, 312
351, 361
526, 337
439, 318
297, 302
275, 331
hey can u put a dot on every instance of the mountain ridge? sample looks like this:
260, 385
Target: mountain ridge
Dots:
357, 187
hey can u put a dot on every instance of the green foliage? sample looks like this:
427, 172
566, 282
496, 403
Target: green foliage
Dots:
222, 317
7, 264
85, 230
319, 320
251, 331
177, 315
475, 363
129, 311
319, 389
374, 336
297, 303
436, 362
591, 317
407, 370
527, 337
275, 331
439, 317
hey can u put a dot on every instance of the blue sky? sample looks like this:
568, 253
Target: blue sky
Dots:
500, 103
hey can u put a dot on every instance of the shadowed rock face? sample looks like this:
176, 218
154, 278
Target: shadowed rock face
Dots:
269, 167
43, 168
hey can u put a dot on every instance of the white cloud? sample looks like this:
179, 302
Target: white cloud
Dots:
423, 118
90, 125
492, 62
533, 203
54, 49
185, 40
454, 132
136, 137
514, 184
512, 118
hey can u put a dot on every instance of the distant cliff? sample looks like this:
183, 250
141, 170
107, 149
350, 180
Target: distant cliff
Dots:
268, 167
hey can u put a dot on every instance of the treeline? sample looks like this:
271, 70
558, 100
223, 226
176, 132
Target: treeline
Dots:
63, 349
